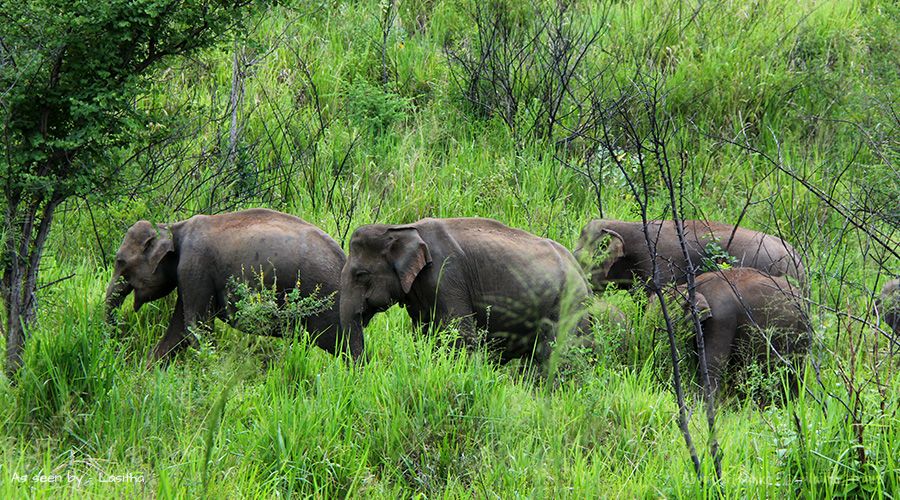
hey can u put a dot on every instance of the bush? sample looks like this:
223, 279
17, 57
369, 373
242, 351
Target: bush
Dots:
263, 311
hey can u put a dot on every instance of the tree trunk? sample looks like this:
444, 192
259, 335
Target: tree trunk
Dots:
15, 336
20, 275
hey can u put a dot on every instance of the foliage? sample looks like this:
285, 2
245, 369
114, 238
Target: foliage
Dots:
716, 258
525, 63
373, 109
66, 373
260, 309
71, 72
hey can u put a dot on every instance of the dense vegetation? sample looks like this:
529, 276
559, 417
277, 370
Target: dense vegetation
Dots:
777, 114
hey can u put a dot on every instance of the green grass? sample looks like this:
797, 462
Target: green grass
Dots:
246, 416
417, 418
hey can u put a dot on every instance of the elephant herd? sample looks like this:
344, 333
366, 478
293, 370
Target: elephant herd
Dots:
510, 287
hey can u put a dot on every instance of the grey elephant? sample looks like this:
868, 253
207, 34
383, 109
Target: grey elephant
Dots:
746, 306
617, 252
488, 276
200, 256
888, 305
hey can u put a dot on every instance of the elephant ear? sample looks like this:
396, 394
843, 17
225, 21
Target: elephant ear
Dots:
408, 254
615, 250
157, 247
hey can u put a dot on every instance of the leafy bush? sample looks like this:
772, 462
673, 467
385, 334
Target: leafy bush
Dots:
525, 63
716, 258
263, 311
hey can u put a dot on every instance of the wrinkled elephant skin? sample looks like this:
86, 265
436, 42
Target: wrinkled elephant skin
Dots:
200, 255
617, 252
488, 276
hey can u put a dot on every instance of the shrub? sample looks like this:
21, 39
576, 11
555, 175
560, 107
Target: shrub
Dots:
262, 311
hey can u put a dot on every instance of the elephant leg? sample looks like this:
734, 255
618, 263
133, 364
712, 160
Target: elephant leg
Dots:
176, 337
192, 308
201, 307
443, 314
717, 339
324, 329
464, 315
468, 333
421, 319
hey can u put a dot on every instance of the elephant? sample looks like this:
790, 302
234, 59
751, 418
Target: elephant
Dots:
201, 256
512, 284
889, 305
736, 306
617, 252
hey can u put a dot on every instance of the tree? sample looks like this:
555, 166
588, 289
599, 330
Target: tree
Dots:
72, 73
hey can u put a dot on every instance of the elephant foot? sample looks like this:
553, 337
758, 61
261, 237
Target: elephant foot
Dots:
168, 347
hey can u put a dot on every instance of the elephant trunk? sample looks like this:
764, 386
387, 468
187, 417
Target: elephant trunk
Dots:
352, 324
357, 346
116, 292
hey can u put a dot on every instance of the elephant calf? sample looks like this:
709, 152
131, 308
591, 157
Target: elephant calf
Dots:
617, 252
736, 306
503, 280
200, 255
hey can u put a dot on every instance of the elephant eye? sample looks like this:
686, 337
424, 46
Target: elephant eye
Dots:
361, 274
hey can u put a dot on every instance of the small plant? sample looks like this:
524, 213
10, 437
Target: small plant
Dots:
263, 311
716, 258
760, 382
574, 362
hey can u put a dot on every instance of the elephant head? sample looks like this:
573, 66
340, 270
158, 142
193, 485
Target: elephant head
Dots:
888, 304
679, 305
384, 262
703, 310
145, 264
598, 248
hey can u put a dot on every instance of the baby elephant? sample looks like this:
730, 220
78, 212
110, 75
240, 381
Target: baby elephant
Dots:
487, 275
736, 305
617, 252
200, 256
889, 305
